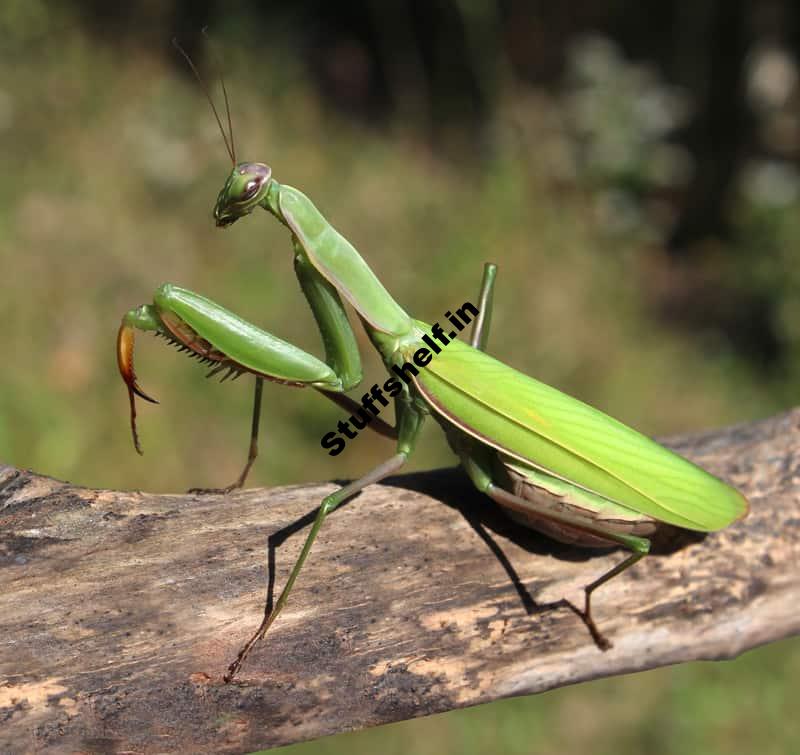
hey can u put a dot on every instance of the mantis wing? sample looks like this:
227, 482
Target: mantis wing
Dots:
569, 439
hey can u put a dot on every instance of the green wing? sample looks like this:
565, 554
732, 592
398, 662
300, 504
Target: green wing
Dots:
569, 439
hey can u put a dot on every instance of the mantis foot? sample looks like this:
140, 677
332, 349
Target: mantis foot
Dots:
245, 651
251, 457
586, 617
216, 491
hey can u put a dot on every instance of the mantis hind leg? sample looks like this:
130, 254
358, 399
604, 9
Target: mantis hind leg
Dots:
592, 586
480, 330
477, 463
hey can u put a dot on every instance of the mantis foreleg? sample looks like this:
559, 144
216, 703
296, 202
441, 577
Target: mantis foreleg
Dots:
222, 339
341, 353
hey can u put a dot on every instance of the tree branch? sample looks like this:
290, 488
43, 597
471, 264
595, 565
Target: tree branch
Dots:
120, 611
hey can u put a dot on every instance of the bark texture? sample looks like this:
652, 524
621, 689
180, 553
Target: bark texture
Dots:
120, 611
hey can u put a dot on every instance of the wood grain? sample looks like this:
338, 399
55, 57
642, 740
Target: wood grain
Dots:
120, 611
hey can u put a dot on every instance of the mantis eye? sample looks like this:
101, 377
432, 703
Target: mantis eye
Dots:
250, 189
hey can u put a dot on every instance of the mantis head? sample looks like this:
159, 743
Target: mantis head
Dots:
246, 187
248, 183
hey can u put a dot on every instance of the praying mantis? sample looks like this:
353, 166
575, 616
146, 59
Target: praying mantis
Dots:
554, 463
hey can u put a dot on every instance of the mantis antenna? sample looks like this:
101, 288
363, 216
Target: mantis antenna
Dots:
227, 138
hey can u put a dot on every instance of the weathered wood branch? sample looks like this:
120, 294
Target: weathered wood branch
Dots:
120, 611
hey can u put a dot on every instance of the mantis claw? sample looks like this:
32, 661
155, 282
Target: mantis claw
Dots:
125, 339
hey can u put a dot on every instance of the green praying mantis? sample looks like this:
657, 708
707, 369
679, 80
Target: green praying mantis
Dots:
554, 463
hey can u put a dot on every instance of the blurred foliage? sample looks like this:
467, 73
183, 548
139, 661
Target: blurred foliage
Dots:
112, 163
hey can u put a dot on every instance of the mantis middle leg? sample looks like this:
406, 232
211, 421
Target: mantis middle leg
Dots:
409, 423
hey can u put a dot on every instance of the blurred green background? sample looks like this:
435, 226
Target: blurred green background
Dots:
632, 168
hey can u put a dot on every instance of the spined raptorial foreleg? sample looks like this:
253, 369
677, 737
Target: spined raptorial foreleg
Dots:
232, 345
